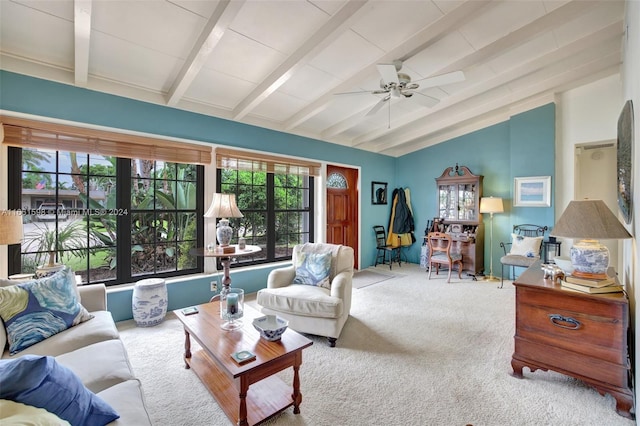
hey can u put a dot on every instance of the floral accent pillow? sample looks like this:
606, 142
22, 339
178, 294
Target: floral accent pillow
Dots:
313, 269
35, 310
525, 246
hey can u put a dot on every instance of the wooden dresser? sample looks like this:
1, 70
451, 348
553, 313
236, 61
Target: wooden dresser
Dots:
577, 334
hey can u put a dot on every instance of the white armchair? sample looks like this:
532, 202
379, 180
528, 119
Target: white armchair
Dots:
312, 309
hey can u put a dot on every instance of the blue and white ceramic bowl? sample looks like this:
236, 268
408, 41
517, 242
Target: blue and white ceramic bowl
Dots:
271, 327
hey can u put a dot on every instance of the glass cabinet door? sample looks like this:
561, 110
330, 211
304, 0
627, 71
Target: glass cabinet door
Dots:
467, 202
448, 206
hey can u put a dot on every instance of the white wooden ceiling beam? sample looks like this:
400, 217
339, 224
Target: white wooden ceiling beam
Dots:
217, 25
82, 39
449, 22
339, 23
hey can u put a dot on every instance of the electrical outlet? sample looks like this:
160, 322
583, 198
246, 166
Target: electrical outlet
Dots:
214, 286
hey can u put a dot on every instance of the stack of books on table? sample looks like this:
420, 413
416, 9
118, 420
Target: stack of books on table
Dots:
594, 286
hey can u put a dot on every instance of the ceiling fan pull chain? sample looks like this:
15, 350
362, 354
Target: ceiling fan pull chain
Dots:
389, 125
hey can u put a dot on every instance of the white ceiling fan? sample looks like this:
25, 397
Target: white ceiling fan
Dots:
395, 84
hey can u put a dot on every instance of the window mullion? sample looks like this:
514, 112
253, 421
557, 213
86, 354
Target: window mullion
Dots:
123, 231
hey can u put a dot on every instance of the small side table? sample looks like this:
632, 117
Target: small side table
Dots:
551, 245
225, 259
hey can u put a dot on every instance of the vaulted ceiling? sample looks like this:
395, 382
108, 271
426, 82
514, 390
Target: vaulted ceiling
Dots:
279, 64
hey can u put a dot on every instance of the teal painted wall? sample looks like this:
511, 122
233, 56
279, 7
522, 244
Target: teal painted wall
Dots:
19, 93
521, 146
524, 145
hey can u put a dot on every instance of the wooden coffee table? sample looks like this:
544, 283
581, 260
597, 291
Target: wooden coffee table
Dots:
248, 393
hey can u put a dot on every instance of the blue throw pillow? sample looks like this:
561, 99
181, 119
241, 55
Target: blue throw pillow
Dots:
313, 269
41, 382
35, 310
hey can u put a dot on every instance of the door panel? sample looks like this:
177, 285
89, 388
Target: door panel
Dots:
342, 210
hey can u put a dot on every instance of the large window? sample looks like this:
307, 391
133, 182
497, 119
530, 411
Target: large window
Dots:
276, 197
112, 220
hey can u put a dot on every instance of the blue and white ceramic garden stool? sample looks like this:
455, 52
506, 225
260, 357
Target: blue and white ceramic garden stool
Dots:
149, 302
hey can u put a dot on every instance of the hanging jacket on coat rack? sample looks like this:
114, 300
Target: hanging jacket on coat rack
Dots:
401, 223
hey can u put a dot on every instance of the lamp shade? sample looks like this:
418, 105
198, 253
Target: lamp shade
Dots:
590, 219
223, 205
491, 205
10, 227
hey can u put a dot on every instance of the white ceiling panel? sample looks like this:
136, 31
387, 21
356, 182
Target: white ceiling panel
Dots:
34, 41
199, 7
253, 60
347, 55
389, 23
282, 25
500, 20
278, 107
132, 64
599, 17
439, 55
280, 63
218, 89
145, 23
308, 83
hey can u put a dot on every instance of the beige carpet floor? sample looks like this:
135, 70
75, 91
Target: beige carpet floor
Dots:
413, 352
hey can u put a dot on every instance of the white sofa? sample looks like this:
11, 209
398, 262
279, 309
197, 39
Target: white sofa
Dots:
95, 353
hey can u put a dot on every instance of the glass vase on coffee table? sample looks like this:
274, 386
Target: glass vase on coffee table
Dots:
231, 307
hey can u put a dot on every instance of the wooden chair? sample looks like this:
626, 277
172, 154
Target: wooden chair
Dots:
522, 260
385, 250
440, 245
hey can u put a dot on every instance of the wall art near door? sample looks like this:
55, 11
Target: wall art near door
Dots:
532, 191
625, 155
378, 193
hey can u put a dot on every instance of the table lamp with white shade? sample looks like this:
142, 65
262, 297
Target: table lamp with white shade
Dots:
491, 205
223, 206
589, 221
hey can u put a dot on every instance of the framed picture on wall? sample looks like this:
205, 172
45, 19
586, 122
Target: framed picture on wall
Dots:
624, 156
378, 192
532, 191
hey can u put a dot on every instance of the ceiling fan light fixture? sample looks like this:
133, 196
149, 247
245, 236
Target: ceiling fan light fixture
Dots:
395, 92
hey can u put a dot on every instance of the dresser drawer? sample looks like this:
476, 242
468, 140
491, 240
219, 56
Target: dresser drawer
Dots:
589, 325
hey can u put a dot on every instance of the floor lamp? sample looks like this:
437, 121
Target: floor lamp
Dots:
491, 205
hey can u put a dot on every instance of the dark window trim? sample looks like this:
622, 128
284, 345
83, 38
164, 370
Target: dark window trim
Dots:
123, 197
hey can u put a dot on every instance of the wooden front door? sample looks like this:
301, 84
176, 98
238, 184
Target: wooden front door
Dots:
342, 208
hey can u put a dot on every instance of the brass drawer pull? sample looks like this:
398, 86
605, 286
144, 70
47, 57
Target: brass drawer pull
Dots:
558, 321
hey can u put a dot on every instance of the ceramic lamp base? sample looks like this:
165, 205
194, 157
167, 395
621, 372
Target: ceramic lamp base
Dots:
224, 232
589, 259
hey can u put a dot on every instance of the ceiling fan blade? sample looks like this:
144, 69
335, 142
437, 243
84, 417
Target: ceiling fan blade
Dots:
442, 79
425, 100
388, 73
377, 106
359, 92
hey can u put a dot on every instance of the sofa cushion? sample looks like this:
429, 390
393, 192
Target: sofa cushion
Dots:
301, 300
41, 382
99, 329
17, 413
525, 246
35, 310
100, 365
313, 269
127, 399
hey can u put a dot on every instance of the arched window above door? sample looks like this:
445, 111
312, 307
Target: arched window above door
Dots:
337, 180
